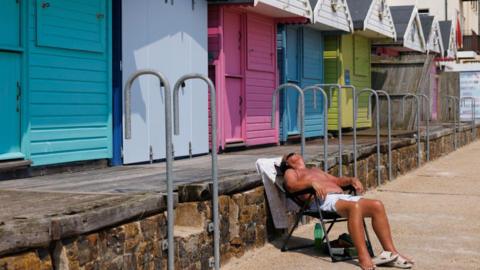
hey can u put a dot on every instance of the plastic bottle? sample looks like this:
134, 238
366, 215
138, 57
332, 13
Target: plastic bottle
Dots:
318, 235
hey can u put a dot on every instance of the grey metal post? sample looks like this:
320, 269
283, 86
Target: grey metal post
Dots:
168, 145
301, 111
339, 121
473, 106
214, 158
389, 119
417, 121
355, 112
427, 99
448, 98
325, 121
354, 95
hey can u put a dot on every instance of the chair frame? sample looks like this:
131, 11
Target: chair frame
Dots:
325, 218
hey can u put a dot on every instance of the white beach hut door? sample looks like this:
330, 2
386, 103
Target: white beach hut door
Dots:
155, 37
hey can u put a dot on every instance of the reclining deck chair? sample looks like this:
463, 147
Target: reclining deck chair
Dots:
324, 217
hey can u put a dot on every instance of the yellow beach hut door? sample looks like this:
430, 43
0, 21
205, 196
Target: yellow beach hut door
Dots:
10, 91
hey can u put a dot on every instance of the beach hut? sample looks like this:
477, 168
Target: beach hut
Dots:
432, 34
410, 37
300, 52
447, 30
433, 38
243, 64
55, 81
347, 58
170, 37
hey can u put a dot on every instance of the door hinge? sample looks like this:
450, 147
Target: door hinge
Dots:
121, 152
151, 154
120, 65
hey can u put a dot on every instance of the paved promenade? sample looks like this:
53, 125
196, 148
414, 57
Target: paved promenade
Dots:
434, 213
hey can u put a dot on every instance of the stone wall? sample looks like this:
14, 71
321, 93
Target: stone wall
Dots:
138, 244
244, 222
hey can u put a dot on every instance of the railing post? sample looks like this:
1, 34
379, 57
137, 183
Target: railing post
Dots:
355, 112
168, 145
389, 124
214, 157
301, 111
325, 121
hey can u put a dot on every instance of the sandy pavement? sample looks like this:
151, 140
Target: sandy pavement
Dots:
434, 212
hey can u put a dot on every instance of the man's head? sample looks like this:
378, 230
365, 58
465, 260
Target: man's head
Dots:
291, 161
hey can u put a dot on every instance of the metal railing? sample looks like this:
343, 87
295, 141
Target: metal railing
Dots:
339, 121
473, 107
214, 158
355, 112
455, 117
301, 111
389, 127
325, 119
417, 121
168, 145
422, 98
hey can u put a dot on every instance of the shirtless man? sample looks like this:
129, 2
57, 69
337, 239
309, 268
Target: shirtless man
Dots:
328, 188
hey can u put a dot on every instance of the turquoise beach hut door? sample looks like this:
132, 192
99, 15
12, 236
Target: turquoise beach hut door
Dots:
10, 94
303, 66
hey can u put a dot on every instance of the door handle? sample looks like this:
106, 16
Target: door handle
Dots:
45, 4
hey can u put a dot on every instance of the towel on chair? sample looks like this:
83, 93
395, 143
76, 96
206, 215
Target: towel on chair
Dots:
279, 205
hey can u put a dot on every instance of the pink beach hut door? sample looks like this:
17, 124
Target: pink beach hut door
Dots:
233, 45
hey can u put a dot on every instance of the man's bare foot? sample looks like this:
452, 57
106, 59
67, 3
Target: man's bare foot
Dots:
366, 264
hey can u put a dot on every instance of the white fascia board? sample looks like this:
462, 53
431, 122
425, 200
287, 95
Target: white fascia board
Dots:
303, 9
387, 16
438, 36
326, 6
415, 18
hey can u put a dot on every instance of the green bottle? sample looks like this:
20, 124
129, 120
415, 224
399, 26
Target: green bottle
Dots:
318, 236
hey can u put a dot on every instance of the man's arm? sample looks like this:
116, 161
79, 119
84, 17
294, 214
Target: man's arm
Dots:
344, 181
347, 181
293, 183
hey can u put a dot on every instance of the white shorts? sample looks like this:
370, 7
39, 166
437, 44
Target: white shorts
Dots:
328, 205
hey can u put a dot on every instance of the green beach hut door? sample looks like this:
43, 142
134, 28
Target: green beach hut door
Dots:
10, 58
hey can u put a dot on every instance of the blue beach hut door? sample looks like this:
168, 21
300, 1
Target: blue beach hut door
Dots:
10, 94
292, 75
312, 73
303, 66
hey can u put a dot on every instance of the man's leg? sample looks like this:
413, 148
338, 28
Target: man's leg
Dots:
353, 211
376, 210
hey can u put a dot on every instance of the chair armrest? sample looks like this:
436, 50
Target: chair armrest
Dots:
300, 193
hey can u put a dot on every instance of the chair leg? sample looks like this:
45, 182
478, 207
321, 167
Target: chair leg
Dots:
329, 247
285, 243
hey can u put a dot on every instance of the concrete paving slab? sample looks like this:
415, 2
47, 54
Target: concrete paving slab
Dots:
434, 213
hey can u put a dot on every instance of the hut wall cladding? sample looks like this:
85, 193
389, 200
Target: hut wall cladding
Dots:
407, 73
245, 74
449, 85
68, 81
